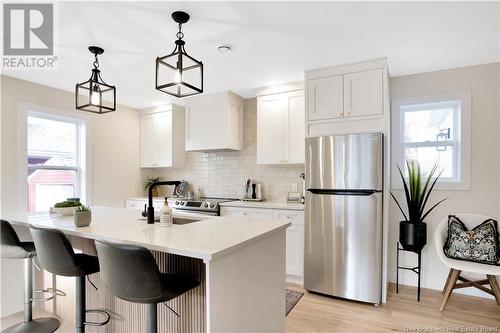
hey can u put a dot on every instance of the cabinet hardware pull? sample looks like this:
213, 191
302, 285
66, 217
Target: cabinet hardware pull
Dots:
347, 113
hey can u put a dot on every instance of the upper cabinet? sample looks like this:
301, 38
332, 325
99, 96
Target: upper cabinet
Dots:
214, 122
363, 93
162, 137
326, 97
346, 98
281, 125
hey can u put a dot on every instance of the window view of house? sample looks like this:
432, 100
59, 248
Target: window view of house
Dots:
53, 161
431, 136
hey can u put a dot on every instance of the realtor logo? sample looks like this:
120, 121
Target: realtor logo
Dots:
28, 36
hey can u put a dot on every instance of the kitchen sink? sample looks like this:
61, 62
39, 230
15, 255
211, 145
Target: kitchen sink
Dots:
176, 220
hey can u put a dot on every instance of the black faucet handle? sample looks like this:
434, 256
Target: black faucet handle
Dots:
144, 213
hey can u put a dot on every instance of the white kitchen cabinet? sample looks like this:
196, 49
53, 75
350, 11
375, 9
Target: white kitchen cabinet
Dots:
162, 137
294, 241
345, 93
139, 203
294, 233
281, 128
248, 212
214, 122
363, 93
325, 97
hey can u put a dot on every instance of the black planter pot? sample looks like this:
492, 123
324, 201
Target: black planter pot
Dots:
412, 236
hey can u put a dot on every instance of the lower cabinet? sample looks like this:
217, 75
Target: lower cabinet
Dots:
250, 212
139, 203
294, 241
294, 233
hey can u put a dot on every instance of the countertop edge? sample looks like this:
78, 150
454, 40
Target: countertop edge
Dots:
206, 257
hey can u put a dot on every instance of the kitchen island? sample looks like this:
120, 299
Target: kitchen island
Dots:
240, 262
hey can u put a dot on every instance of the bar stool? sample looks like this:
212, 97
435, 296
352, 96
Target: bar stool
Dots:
131, 273
56, 256
13, 248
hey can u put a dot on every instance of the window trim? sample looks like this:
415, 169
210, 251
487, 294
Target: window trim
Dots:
79, 149
463, 138
25, 109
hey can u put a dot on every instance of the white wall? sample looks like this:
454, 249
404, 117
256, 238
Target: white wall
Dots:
483, 197
113, 155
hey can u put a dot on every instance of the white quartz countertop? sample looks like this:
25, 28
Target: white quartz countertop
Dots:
263, 204
207, 239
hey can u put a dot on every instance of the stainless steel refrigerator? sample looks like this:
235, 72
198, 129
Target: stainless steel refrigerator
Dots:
343, 230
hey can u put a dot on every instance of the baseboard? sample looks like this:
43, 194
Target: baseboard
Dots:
295, 279
430, 281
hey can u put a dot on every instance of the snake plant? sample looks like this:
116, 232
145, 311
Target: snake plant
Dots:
417, 195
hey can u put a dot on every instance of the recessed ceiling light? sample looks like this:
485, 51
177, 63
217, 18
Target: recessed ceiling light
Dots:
224, 49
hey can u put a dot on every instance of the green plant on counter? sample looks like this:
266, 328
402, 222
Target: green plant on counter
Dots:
67, 203
149, 181
416, 196
83, 208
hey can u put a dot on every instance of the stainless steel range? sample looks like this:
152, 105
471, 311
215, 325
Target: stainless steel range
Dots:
206, 206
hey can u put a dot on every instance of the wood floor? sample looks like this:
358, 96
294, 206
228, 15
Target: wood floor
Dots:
316, 313
401, 313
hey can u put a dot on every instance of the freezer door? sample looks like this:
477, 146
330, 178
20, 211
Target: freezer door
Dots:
353, 161
343, 245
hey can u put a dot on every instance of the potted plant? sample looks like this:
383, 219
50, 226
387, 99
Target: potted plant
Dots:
83, 215
413, 230
148, 182
67, 207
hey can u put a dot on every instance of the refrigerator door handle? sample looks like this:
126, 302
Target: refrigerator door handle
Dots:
343, 192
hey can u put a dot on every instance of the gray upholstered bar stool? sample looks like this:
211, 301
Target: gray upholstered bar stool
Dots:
56, 256
13, 248
131, 273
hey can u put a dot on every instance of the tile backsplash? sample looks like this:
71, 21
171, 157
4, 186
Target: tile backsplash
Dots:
223, 174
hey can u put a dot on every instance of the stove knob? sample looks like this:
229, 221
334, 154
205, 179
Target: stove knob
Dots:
177, 202
182, 203
212, 205
206, 204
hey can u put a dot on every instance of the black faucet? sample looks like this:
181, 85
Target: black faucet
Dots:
151, 209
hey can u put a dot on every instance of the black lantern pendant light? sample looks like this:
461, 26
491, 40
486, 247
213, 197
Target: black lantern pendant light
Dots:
95, 95
179, 74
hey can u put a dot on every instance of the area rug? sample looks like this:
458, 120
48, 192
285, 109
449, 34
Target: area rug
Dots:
292, 298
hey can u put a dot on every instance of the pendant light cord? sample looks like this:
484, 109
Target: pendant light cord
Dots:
96, 61
180, 34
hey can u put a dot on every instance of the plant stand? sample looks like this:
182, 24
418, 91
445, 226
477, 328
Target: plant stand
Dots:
417, 270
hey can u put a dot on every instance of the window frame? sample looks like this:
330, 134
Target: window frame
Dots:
462, 162
79, 150
85, 185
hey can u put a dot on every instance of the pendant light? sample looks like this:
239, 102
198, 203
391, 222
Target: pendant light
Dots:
179, 74
95, 95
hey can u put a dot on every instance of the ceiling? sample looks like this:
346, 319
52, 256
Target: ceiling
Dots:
273, 42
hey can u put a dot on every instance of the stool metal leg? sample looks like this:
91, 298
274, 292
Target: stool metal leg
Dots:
40, 325
80, 304
151, 313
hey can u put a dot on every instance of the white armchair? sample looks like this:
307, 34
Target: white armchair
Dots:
459, 266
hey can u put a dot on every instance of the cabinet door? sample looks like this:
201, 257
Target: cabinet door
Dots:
135, 204
294, 150
325, 99
163, 139
248, 212
363, 93
294, 241
271, 111
147, 140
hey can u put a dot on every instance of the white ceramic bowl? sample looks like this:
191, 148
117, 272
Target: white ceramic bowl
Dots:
68, 211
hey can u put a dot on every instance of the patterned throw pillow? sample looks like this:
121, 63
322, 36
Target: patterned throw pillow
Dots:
479, 244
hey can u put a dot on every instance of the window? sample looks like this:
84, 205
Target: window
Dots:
433, 130
54, 157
